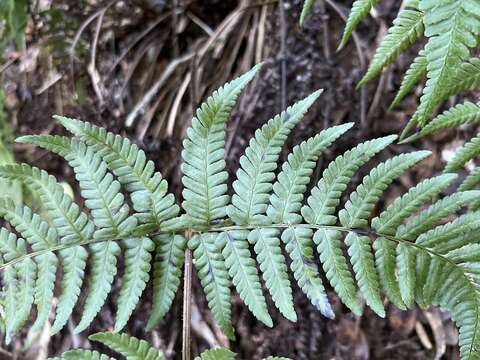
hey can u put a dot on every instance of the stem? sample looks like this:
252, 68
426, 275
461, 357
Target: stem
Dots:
187, 303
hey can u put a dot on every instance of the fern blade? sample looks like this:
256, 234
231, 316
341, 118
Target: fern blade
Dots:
137, 268
214, 279
360, 9
167, 270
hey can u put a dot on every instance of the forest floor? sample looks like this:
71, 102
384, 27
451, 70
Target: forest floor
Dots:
113, 74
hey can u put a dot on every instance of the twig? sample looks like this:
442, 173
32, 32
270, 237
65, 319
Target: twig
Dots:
283, 55
92, 69
187, 305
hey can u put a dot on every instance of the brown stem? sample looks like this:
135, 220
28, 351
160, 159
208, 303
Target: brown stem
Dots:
187, 305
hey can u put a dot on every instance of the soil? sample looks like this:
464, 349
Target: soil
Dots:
311, 62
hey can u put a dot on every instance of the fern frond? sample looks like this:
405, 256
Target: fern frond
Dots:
137, 273
204, 175
452, 27
41, 237
320, 210
129, 346
471, 181
216, 354
355, 215
243, 273
214, 279
416, 72
429, 217
466, 113
83, 355
360, 9
285, 204
407, 28
467, 152
167, 270
274, 270
403, 207
257, 165
307, 5
146, 187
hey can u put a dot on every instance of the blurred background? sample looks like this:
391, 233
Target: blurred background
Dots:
141, 67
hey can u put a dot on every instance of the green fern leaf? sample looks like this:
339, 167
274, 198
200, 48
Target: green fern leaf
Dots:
362, 201
307, 5
204, 180
129, 346
466, 153
274, 270
320, 210
83, 355
285, 204
407, 28
416, 72
101, 192
360, 9
402, 208
298, 243
466, 113
406, 258
137, 273
214, 279
147, 189
452, 27
471, 181
243, 273
74, 261
385, 261
259, 162
167, 270
216, 354
429, 217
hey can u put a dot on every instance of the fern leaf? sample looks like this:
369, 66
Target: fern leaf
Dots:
26, 272
407, 28
471, 181
288, 191
298, 245
243, 272
74, 261
307, 5
320, 210
274, 270
325, 197
204, 180
355, 215
10, 289
147, 189
466, 113
362, 201
406, 258
429, 217
72, 224
137, 272
101, 192
39, 234
104, 269
129, 346
216, 354
83, 355
466, 153
360, 9
467, 77
214, 279
402, 208
167, 270
385, 261
361, 257
329, 246
452, 27
257, 165
416, 72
